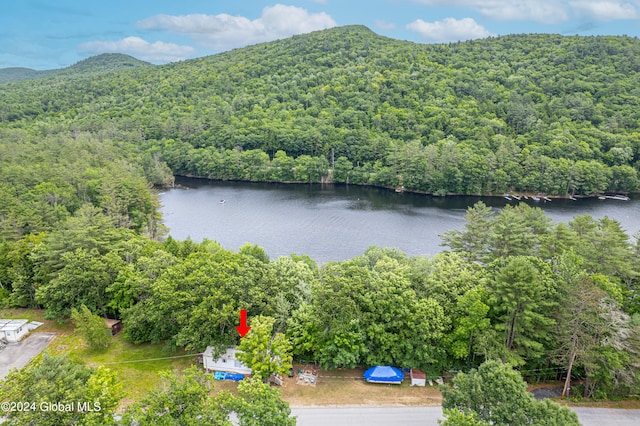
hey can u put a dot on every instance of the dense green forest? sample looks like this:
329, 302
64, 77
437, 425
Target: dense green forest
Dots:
79, 222
535, 113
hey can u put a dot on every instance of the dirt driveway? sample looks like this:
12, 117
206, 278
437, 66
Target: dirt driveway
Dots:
17, 355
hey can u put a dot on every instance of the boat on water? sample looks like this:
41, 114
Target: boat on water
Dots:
546, 198
618, 197
517, 197
222, 201
534, 198
507, 197
602, 197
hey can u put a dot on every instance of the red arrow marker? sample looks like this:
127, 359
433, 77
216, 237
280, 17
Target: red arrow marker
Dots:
243, 328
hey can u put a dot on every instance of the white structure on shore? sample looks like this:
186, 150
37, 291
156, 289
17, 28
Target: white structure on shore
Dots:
227, 362
12, 330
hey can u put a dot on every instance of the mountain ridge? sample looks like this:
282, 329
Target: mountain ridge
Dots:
105, 62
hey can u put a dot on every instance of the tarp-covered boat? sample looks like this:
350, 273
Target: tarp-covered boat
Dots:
384, 374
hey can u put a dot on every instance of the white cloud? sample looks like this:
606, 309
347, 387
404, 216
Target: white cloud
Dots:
604, 10
546, 11
384, 25
449, 29
223, 32
158, 51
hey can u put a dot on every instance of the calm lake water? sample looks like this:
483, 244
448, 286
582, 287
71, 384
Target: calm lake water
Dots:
337, 222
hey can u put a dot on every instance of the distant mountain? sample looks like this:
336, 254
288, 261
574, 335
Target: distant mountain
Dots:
103, 63
8, 75
96, 64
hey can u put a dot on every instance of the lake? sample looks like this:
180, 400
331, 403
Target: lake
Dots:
338, 222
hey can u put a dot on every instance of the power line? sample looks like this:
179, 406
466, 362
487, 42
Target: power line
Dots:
148, 359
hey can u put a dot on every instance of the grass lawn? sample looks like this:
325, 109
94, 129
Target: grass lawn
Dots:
137, 378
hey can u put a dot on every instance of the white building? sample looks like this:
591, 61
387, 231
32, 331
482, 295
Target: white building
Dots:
418, 378
227, 362
13, 330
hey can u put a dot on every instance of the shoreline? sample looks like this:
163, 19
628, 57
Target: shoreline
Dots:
530, 195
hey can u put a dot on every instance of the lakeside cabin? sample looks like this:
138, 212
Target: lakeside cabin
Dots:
12, 330
227, 362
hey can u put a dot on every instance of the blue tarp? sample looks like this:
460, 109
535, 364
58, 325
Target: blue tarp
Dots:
234, 377
221, 375
383, 374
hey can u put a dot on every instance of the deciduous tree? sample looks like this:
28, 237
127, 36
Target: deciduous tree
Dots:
496, 394
263, 351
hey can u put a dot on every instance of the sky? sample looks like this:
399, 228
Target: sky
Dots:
48, 34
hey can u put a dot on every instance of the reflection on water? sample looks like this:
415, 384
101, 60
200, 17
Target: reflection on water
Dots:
337, 222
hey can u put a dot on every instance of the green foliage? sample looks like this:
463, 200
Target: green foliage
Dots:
496, 394
82, 281
202, 294
471, 324
47, 179
91, 327
514, 231
187, 401
261, 405
263, 351
366, 312
522, 296
456, 417
51, 379
183, 401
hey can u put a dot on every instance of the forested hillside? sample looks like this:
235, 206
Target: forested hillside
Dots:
95, 65
537, 113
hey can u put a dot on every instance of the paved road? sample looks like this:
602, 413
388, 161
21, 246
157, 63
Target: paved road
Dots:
410, 416
17, 355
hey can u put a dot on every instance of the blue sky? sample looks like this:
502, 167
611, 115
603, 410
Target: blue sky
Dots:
45, 34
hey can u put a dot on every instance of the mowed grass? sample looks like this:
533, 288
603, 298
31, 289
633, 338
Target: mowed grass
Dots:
137, 366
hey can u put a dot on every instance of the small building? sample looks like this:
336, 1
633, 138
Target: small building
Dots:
418, 378
226, 362
12, 330
114, 325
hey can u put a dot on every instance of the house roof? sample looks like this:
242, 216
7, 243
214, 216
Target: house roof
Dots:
417, 374
111, 322
12, 324
226, 362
